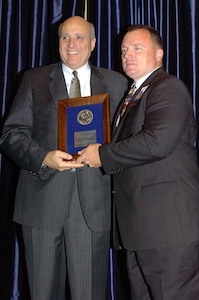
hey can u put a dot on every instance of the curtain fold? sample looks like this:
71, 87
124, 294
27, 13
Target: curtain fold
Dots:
28, 38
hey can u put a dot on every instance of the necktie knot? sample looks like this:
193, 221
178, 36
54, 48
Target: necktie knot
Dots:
133, 89
75, 91
75, 73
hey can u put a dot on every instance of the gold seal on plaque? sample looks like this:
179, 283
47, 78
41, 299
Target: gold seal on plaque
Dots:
85, 117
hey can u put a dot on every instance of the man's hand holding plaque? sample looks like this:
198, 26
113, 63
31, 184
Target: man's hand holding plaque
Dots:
90, 156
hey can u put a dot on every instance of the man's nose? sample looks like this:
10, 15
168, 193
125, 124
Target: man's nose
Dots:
128, 53
71, 42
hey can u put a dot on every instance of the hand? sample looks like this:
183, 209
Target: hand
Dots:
90, 156
61, 161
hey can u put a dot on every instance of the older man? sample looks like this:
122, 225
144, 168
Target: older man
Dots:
65, 215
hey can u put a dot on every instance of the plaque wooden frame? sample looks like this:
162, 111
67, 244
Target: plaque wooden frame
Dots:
65, 104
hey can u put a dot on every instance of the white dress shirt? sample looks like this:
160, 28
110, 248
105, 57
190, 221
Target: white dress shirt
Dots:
84, 75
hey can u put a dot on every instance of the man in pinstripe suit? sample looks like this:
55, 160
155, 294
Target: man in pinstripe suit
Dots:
65, 215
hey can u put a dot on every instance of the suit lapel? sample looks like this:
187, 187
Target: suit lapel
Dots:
58, 88
137, 96
151, 78
97, 85
144, 86
57, 85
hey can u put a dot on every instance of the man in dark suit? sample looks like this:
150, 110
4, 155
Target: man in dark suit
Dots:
64, 211
156, 179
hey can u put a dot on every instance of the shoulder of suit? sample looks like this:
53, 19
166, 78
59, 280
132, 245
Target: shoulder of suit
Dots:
43, 72
162, 75
43, 69
162, 78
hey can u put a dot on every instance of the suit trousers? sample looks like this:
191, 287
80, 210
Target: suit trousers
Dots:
170, 273
74, 250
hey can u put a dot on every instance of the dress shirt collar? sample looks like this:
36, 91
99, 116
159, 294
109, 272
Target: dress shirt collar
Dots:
81, 71
141, 80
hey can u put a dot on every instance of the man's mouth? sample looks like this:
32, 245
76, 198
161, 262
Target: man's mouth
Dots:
73, 52
130, 64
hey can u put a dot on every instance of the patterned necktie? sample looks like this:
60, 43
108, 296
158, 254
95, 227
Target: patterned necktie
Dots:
126, 103
128, 99
75, 87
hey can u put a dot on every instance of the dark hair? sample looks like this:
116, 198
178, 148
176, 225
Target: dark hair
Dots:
153, 32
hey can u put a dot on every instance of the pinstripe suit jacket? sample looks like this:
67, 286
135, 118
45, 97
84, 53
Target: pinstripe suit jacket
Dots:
30, 132
153, 159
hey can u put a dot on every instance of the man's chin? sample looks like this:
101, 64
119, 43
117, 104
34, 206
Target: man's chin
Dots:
129, 72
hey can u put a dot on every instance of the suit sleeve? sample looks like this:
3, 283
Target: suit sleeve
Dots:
17, 135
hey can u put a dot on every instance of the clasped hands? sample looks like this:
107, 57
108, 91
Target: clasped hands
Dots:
61, 161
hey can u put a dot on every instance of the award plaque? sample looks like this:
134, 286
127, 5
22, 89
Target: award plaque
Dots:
83, 121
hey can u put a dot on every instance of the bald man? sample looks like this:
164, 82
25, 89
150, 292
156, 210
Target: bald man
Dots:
65, 212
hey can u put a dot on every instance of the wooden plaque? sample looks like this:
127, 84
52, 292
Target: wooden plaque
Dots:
83, 121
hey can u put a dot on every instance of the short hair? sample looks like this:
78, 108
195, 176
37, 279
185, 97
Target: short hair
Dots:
92, 30
92, 33
153, 32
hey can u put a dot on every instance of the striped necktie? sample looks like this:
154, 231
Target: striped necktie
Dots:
75, 86
128, 98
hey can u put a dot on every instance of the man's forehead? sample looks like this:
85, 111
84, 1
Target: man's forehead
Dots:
136, 37
138, 33
74, 29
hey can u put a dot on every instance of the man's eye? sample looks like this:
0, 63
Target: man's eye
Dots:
79, 37
123, 50
65, 37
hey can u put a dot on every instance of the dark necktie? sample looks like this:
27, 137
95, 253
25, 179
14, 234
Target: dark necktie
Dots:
75, 87
128, 99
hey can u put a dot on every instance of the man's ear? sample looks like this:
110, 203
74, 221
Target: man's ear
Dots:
159, 54
93, 42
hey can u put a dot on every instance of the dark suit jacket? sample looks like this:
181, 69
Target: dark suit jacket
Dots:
153, 159
30, 132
